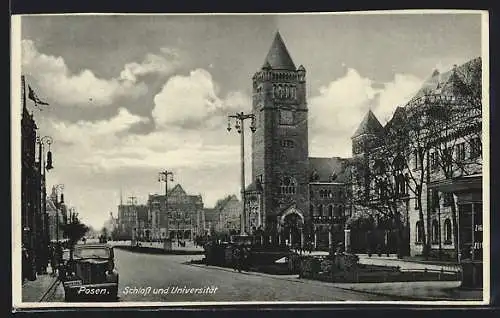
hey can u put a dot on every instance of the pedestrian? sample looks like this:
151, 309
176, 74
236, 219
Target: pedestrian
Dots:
237, 258
53, 262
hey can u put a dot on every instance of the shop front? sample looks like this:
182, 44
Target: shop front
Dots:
468, 194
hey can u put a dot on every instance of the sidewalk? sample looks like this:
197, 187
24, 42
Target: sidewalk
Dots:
392, 260
406, 265
33, 291
435, 291
410, 291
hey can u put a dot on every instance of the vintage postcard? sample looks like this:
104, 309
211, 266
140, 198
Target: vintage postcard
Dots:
226, 159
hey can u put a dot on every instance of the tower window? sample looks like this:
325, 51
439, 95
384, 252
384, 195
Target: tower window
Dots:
288, 185
287, 143
286, 117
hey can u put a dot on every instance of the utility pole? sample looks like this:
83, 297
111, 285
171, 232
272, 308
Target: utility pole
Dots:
239, 125
165, 176
132, 201
58, 205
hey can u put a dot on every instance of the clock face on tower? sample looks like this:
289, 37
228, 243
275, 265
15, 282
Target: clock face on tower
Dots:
286, 117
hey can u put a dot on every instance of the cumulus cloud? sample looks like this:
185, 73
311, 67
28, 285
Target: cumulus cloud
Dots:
65, 88
152, 64
337, 110
97, 129
192, 101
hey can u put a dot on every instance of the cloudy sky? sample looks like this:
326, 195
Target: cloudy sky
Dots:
132, 95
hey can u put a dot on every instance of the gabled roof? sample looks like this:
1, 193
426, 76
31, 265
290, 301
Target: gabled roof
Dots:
397, 118
454, 82
220, 204
177, 190
327, 169
369, 125
278, 57
253, 187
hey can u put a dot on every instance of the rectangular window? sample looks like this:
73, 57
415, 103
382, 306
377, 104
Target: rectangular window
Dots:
448, 199
460, 151
435, 199
448, 156
433, 159
415, 160
475, 148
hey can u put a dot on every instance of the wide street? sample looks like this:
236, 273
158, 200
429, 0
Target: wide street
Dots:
138, 271
163, 271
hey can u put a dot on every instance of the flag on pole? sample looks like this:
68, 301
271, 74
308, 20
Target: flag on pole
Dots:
34, 97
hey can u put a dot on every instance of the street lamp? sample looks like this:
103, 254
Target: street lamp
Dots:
239, 125
165, 176
58, 187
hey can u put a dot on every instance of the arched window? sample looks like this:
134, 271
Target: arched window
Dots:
288, 185
419, 229
379, 167
398, 163
435, 232
400, 184
320, 209
330, 211
447, 231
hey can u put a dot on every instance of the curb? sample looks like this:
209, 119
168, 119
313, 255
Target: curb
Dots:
157, 251
54, 283
301, 280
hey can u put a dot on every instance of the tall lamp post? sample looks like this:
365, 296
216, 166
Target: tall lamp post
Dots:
239, 125
165, 176
61, 188
42, 142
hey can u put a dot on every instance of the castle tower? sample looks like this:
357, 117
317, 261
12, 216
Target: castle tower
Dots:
280, 143
367, 135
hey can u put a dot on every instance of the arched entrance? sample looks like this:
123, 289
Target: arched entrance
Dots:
292, 228
172, 235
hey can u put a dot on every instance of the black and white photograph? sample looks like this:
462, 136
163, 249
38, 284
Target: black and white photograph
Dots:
232, 159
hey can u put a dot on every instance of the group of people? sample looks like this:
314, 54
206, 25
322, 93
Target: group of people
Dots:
241, 257
33, 263
56, 256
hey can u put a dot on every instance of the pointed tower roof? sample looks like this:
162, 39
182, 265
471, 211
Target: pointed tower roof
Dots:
369, 125
278, 56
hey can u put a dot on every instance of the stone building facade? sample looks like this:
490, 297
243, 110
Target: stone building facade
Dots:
181, 217
228, 211
279, 198
448, 150
294, 198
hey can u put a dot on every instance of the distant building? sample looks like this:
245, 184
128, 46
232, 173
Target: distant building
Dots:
111, 225
181, 217
56, 213
128, 220
212, 218
229, 210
